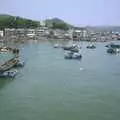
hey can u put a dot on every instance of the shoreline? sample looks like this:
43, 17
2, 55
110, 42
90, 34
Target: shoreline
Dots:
26, 40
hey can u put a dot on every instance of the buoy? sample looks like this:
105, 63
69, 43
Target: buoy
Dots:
82, 69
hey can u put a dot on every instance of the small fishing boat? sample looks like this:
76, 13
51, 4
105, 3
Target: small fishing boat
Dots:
72, 48
8, 49
118, 38
20, 64
109, 45
68, 55
67, 47
10, 73
56, 45
112, 45
3, 49
76, 56
91, 46
113, 50
72, 55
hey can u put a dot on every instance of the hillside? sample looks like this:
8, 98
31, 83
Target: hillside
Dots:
57, 23
8, 21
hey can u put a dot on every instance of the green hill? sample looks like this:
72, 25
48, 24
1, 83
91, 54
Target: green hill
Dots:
57, 23
8, 21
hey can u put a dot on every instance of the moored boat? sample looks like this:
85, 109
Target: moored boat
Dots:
20, 64
9, 64
76, 56
67, 47
91, 46
112, 45
113, 50
72, 55
72, 48
10, 73
56, 45
68, 55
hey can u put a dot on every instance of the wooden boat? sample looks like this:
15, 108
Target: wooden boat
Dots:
72, 55
91, 47
68, 55
67, 47
76, 56
56, 45
113, 50
112, 45
9, 64
72, 48
20, 64
9, 49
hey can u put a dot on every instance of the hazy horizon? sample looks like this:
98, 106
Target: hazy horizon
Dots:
75, 12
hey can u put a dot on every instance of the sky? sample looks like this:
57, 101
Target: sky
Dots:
76, 12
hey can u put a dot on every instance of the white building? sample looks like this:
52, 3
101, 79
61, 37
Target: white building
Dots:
69, 34
42, 23
80, 34
77, 34
1, 33
42, 31
31, 33
10, 32
20, 32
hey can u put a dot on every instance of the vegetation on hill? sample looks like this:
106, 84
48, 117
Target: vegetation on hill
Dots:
57, 23
7, 21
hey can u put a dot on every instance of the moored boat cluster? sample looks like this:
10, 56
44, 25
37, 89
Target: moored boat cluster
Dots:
73, 51
9, 68
113, 48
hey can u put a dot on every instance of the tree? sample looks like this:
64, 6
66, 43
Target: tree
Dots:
62, 26
17, 22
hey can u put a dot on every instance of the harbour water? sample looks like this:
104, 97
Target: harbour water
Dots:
52, 88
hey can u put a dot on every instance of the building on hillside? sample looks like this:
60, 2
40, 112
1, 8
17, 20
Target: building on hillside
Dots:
59, 33
77, 34
10, 32
1, 33
81, 34
68, 34
20, 33
30, 33
42, 23
42, 32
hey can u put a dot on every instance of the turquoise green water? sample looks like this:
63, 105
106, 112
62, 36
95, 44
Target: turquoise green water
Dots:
52, 88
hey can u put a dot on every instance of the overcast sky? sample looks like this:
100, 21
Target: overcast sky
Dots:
76, 12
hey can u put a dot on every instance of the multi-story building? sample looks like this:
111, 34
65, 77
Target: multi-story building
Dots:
68, 34
30, 33
1, 33
10, 32
21, 33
